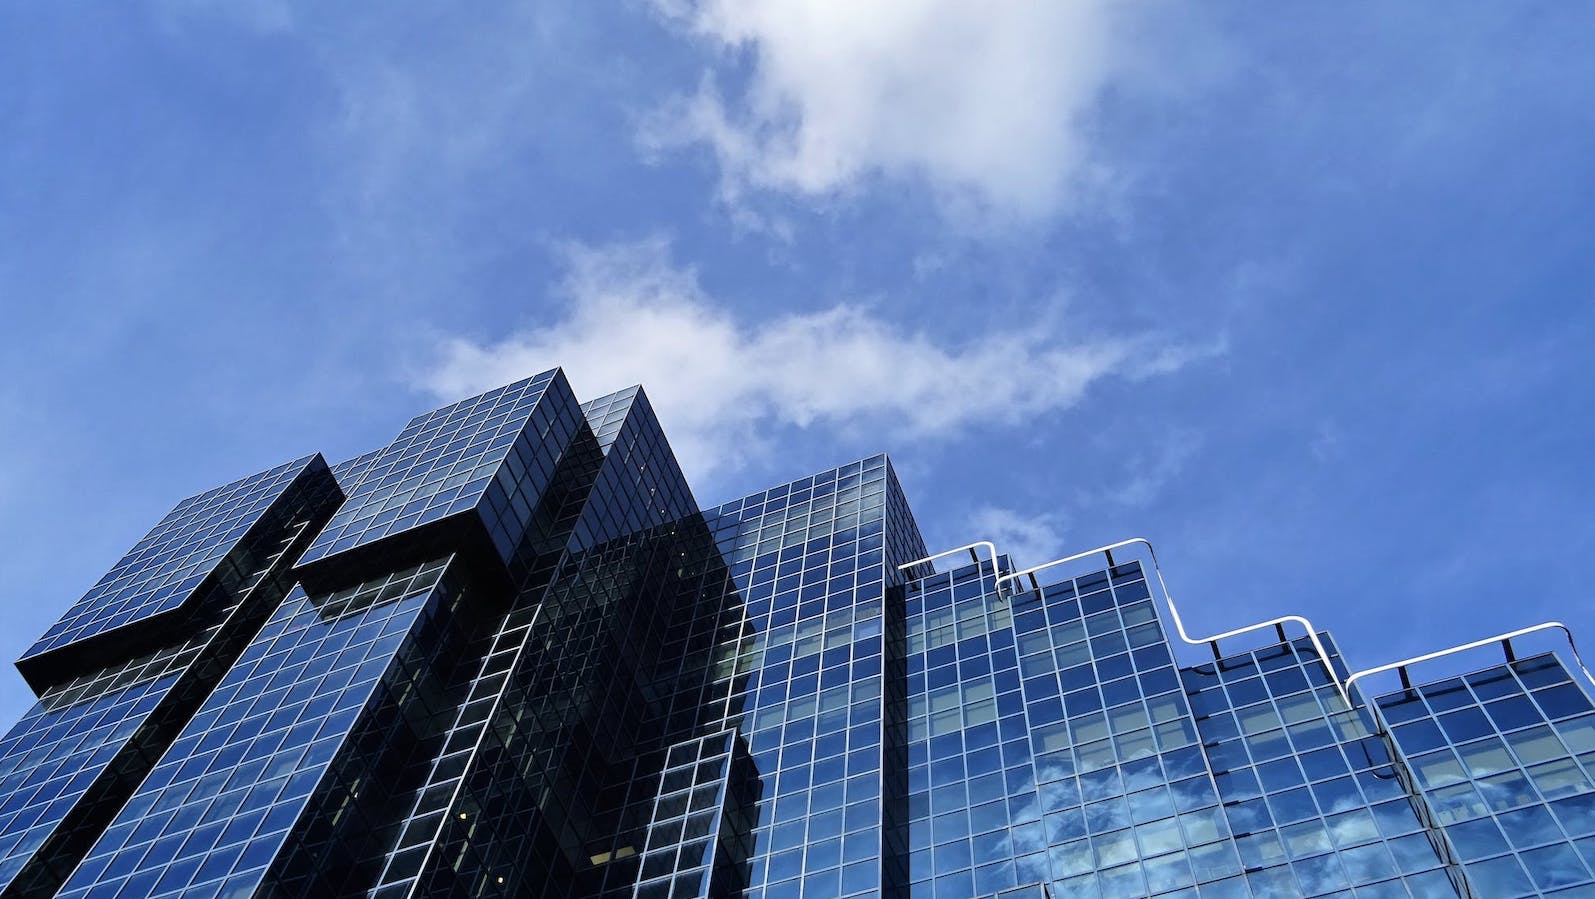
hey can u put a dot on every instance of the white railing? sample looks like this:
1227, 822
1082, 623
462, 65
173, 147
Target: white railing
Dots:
1174, 612
969, 548
1343, 687
1503, 639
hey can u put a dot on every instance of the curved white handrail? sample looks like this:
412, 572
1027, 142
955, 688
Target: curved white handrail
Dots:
1076, 557
969, 548
1476, 644
1174, 612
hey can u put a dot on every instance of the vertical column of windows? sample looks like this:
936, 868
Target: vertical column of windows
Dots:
974, 815
538, 778
1128, 801
810, 559
698, 839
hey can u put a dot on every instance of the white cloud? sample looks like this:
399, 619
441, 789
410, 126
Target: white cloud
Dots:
988, 103
721, 385
1028, 538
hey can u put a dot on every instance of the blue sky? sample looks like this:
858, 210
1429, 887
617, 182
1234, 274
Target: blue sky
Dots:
1306, 298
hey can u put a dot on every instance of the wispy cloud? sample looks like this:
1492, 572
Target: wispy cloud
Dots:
1149, 469
414, 141
1030, 538
634, 315
987, 103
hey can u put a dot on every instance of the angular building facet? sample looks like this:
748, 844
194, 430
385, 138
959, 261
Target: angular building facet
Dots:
509, 655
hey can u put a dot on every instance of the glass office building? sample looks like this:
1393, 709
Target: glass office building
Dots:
509, 654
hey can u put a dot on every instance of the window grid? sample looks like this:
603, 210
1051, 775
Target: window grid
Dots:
1053, 753
495, 452
1504, 757
663, 702
567, 659
164, 569
217, 807
814, 559
1312, 793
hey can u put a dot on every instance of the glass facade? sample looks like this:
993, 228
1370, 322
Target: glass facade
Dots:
509, 654
111, 701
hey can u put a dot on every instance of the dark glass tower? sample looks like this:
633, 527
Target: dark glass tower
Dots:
509, 655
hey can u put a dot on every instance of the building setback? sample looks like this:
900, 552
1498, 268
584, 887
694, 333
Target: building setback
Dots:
508, 655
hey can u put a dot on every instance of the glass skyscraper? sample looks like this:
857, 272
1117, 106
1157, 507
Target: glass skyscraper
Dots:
508, 654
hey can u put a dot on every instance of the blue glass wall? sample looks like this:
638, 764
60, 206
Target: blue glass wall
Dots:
515, 658
216, 810
1053, 741
814, 559
562, 696
113, 697
164, 569
1503, 757
474, 471
1313, 797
